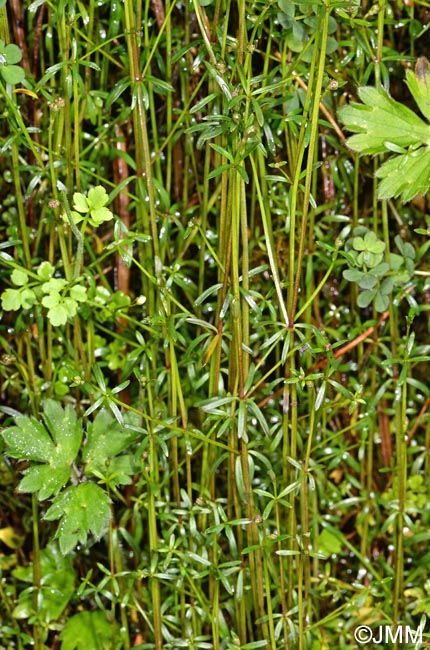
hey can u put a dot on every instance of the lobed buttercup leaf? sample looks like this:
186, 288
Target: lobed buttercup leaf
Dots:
82, 510
44, 479
383, 125
381, 119
418, 83
405, 175
56, 446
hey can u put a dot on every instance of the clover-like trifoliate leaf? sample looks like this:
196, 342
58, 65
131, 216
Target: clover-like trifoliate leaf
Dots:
370, 242
9, 55
82, 510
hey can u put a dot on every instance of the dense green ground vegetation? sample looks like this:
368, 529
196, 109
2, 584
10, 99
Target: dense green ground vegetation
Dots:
214, 323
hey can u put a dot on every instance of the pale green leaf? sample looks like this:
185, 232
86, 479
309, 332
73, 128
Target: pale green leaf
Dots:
329, 543
71, 306
11, 299
381, 302
19, 278
97, 197
77, 218
100, 215
78, 293
353, 275
51, 300
28, 298
80, 202
367, 282
54, 285
359, 244
56, 588
373, 243
365, 297
58, 315
45, 271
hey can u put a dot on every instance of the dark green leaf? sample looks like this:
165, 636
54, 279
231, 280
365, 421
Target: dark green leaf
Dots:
65, 428
381, 302
28, 440
88, 630
57, 586
405, 175
44, 479
82, 510
105, 439
380, 119
365, 297
419, 85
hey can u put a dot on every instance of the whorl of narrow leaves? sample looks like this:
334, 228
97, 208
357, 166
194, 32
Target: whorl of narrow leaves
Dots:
382, 125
